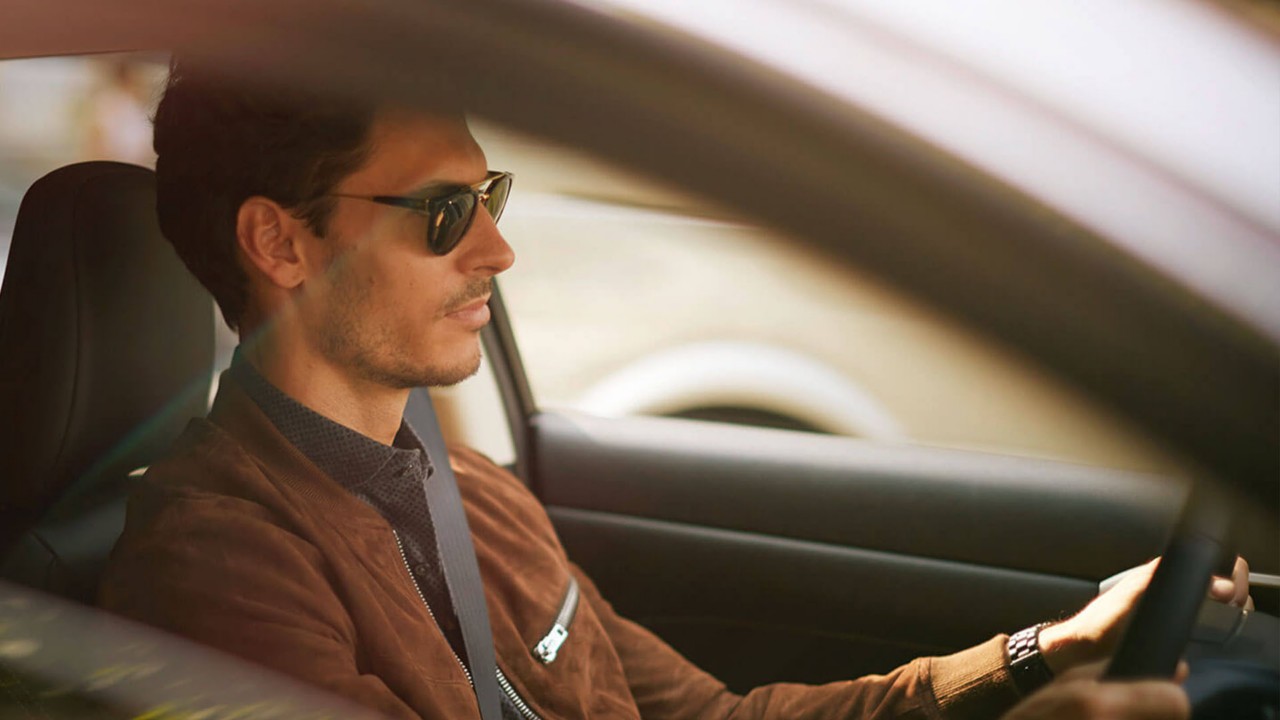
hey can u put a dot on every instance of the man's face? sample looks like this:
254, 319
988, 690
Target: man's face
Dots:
386, 308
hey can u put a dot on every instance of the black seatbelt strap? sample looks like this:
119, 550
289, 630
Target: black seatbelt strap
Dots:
457, 556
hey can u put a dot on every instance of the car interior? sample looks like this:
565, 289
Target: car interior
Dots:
814, 557
761, 554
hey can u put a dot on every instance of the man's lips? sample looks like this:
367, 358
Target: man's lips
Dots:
474, 314
470, 305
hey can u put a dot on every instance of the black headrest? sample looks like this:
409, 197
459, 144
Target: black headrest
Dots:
106, 341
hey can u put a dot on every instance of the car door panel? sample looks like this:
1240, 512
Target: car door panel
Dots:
770, 555
752, 608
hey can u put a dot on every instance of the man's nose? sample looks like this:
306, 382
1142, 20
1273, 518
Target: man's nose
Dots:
484, 250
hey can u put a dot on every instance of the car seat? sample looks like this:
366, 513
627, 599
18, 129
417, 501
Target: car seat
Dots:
106, 351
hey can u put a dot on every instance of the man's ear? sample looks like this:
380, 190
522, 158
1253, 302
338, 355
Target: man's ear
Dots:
270, 239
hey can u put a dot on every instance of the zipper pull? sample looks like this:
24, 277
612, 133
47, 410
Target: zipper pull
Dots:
548, 646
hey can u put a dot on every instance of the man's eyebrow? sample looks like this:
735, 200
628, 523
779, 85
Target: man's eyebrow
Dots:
435, 187
438, 187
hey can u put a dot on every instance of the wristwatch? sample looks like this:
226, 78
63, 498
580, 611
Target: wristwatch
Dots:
1026, 665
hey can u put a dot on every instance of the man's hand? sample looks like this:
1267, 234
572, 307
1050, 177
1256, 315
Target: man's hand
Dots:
1080, 695
1093, 700
1092, 634
1235, 589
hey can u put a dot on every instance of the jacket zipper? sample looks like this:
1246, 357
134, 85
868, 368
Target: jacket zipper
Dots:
521, 706
549, 646
546, 649
404, 558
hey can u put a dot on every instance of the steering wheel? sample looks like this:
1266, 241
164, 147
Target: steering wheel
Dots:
1165, 615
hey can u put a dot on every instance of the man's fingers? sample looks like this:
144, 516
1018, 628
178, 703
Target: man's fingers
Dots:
1143, 700
1235, 589
1091, 700
1222, 589
1240, 574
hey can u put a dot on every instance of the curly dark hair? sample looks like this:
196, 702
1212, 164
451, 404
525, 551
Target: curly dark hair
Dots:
220, 142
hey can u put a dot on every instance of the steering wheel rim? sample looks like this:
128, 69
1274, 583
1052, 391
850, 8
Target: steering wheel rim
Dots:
1165, 616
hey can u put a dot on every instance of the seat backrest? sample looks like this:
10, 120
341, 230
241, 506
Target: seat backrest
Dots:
106, 351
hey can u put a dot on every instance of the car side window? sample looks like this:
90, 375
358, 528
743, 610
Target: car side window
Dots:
630, 299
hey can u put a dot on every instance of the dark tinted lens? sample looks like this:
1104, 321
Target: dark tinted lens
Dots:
450, 222
498, 192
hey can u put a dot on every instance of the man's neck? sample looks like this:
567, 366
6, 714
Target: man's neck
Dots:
368, 408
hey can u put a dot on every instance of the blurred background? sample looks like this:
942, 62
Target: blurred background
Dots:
693, 312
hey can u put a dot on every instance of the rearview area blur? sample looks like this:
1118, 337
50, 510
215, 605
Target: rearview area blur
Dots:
661, 303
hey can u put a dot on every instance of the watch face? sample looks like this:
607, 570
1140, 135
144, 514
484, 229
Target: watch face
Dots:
1026, 665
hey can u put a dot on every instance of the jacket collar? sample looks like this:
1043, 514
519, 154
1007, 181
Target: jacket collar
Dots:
235, 413
346, 455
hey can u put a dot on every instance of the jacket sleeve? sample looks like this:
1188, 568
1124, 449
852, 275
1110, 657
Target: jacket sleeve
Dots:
218, 571
973, 683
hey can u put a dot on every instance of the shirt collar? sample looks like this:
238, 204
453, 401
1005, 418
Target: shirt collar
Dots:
349, 457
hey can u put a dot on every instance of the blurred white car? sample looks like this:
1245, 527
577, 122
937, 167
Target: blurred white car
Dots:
1150, 123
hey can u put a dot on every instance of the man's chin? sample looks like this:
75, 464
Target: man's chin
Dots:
451, 377
442, 375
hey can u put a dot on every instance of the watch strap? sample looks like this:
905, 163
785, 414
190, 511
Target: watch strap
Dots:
1027, 667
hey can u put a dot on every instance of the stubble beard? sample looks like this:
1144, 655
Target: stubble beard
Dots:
350, 339
388, 372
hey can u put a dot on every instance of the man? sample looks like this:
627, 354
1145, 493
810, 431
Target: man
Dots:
353, 248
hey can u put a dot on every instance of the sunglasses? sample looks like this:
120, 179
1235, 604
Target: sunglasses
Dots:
450, 213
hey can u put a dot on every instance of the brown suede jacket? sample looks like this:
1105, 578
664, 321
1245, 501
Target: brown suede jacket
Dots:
239, 542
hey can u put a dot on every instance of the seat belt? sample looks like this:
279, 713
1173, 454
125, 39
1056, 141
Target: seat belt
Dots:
457, 556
